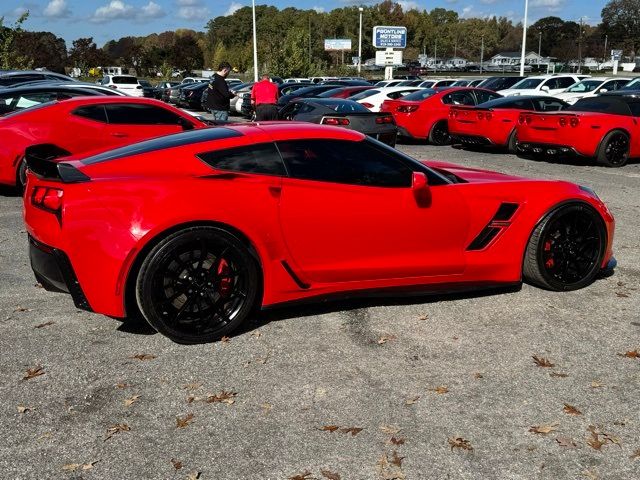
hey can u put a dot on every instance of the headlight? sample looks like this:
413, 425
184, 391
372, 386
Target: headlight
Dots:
590, 191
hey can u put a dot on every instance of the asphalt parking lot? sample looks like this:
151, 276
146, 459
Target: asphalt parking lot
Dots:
419, 388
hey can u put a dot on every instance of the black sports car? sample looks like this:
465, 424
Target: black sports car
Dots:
17, 98
343, 113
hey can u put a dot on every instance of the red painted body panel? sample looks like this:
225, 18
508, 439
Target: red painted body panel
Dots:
54, 124
474, 122
335, 237
584, 138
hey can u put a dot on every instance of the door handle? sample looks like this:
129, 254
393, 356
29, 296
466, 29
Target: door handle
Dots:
119, 135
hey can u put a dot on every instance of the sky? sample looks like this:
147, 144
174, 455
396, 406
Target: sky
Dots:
111, 19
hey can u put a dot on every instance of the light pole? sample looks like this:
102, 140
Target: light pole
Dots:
524, 37
606, 38
539, 47
255, 44
481, 54
435, 56
360, 9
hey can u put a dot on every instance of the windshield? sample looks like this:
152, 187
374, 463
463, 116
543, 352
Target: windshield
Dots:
365, 94
419, 95
527, 83
585, 86
632, 85
342, 106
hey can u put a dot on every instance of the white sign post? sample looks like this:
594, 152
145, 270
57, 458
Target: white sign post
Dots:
616, 55
389, 38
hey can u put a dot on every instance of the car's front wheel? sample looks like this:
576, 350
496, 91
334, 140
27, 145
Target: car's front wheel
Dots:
566, 248
197, 285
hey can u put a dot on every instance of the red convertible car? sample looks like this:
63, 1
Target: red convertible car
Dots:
424, 114
82, 124
203, 226
493, 123
603, 127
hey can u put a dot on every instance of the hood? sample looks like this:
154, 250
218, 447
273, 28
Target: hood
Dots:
470, 174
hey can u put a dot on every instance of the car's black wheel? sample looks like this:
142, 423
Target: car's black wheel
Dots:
21, 176
614, 149
512, 145
439, 134
566, 248
197, 285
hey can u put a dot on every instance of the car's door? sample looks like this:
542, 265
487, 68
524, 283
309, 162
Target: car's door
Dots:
348, 213
137, 121
87, 127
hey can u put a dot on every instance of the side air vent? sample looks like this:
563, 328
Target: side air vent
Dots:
499, 222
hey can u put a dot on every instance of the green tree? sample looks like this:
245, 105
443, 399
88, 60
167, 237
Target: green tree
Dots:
621, 22
9, 57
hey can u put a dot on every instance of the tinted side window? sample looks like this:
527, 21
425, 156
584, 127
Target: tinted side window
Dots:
483, 96
518, 105
458, 98
635, 109
140, 114
354, 163
548, 105
262, 158
565, 82
93, 112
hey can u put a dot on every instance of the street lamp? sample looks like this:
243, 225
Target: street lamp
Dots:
524, 37
255, 44
481, 54
360, 9
539, 47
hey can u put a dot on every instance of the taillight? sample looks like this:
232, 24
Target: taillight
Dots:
488, 116
384, 119
366, 105
528, 119
480, 115
574, 122
335, 121
453, 113
407, 108
562, 122
521, 119
49, 199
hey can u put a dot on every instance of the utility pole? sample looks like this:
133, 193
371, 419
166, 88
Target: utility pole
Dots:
309, 61
481, 54
580, 46
524, 37
255, 44
539, 47
435, 56
604, 58
360, 9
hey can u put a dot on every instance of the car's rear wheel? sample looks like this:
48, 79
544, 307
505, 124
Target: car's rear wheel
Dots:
197, 285
614, 149
566, 248
512, 145
439, 134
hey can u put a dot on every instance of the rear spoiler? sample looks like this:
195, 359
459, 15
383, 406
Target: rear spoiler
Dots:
468, 107
43, 163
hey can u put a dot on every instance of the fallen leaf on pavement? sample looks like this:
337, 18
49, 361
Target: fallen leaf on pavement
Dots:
477, 375
192, 386
33, 372
396, 459
571, 410
121, 385
266, 407
599, 439
329, 474
20, 308
460, 442
306, 475
542, 362
412, 400
544, 429
23, 409
222, 397
397, 441
45, 324
225, 339
423, 317
143, 356
256, 334
566, 442
597, 385
193, 476
390, 429
635, 455
386, 338
631, 354
622, 294
558, 374
130, 401
388, 471
184, 421
177, 464
115, 429
352, 430
71, 467
329, 428
441, 389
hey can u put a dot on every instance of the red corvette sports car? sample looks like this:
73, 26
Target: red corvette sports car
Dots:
494, 123
82, 124
424, 114
603, 127
203, 226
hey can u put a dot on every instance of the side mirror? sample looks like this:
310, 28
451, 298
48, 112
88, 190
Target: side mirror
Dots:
421, 190
603, 90
544, 88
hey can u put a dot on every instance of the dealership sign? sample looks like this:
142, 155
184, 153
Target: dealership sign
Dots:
389, 37
337, 44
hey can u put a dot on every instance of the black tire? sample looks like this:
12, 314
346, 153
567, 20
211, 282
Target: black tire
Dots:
21, 176
566, 248
614, 149
512, 145
439, 134
192, 297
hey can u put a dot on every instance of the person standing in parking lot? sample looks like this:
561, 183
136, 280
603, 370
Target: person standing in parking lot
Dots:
218, 96
264, 96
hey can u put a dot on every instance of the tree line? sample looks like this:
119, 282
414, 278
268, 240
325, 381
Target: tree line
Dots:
291, 40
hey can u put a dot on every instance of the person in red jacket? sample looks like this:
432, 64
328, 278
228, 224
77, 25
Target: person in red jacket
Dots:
264, 96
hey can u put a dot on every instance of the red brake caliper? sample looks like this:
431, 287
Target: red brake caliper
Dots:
225, 286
